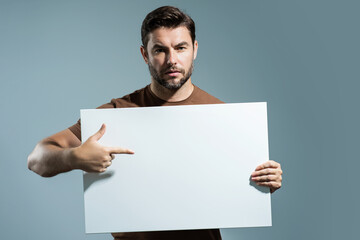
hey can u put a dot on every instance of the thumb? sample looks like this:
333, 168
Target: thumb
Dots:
99, 133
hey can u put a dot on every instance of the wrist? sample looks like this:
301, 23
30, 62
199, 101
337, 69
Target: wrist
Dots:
71, 158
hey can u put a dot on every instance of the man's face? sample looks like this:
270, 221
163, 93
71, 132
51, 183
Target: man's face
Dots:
170, 55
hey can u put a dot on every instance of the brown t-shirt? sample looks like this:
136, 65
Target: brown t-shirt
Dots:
146, 98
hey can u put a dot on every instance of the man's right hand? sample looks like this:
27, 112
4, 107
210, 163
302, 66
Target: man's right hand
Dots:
93, 157
63, 152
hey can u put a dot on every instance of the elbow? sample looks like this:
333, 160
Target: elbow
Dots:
35, 165
31, 162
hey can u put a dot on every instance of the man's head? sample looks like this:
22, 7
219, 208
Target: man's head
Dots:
169, 46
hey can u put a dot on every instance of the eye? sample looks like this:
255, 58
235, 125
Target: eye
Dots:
158, 50
181, 48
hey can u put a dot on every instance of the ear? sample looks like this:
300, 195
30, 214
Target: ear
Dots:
144, 54
195, 49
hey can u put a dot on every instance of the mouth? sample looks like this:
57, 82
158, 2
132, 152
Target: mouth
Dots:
173, 73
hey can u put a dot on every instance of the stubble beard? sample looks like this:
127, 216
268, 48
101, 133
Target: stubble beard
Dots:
170, 84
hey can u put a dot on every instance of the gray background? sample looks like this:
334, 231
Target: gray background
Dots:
302, 57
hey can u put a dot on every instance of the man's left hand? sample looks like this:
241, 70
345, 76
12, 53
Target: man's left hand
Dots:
268, 174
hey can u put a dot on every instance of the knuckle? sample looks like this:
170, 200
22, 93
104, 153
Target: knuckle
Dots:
106, 150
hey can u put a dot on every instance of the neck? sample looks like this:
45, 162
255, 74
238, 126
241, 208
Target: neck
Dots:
172, 95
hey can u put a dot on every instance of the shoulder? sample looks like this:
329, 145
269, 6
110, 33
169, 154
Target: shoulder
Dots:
204, 97
133, 99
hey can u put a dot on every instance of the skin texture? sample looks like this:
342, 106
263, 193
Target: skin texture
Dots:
169, 54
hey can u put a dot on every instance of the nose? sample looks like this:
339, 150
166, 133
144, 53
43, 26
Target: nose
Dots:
172, 57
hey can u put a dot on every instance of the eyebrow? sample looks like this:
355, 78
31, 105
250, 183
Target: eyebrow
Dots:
158, 45
182, 44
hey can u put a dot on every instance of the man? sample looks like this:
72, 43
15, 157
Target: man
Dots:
169, 48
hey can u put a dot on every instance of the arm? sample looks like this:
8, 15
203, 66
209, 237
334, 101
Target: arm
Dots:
63, 152
268, 174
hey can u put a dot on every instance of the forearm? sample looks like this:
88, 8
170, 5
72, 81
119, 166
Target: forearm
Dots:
63, 152
48, 159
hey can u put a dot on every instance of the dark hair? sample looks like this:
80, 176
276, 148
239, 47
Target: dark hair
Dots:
168, 17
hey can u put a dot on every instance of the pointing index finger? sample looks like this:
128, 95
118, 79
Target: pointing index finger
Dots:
120, 150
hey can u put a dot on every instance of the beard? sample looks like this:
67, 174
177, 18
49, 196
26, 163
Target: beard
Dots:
170, 84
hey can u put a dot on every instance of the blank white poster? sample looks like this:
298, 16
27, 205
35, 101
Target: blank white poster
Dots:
191, 168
